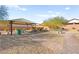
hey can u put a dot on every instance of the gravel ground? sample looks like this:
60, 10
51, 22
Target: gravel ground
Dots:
47, 42
40, 43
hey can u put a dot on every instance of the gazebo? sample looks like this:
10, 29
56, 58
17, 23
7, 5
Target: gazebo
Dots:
11, 25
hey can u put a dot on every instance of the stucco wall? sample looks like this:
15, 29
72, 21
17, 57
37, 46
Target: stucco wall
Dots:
71, 27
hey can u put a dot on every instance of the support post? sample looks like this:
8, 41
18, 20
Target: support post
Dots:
27, 26
11, 27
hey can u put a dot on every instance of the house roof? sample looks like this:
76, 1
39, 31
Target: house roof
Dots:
74, 20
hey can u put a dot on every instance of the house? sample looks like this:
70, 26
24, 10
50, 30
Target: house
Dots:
73, 24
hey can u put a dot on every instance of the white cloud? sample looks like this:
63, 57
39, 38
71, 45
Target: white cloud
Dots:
23, 9
20, 8
43, 15
50, 11
58, 13
53, 15
47, 15
15, 17
67, 8
16, 7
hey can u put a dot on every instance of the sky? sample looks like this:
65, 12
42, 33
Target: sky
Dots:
39, 13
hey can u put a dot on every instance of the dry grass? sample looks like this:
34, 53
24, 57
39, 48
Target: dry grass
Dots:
32, 44
28, 49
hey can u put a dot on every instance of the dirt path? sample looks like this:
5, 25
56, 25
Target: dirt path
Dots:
71, 43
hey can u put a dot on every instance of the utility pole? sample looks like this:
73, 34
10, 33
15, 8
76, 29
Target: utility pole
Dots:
11, 27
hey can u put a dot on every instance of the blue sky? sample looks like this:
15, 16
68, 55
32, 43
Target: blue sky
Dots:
39, 13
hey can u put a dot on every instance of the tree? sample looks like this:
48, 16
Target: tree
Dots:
55, 22
3, 12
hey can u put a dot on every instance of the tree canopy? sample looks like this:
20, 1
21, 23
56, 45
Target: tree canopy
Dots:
3, 12
55, 22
